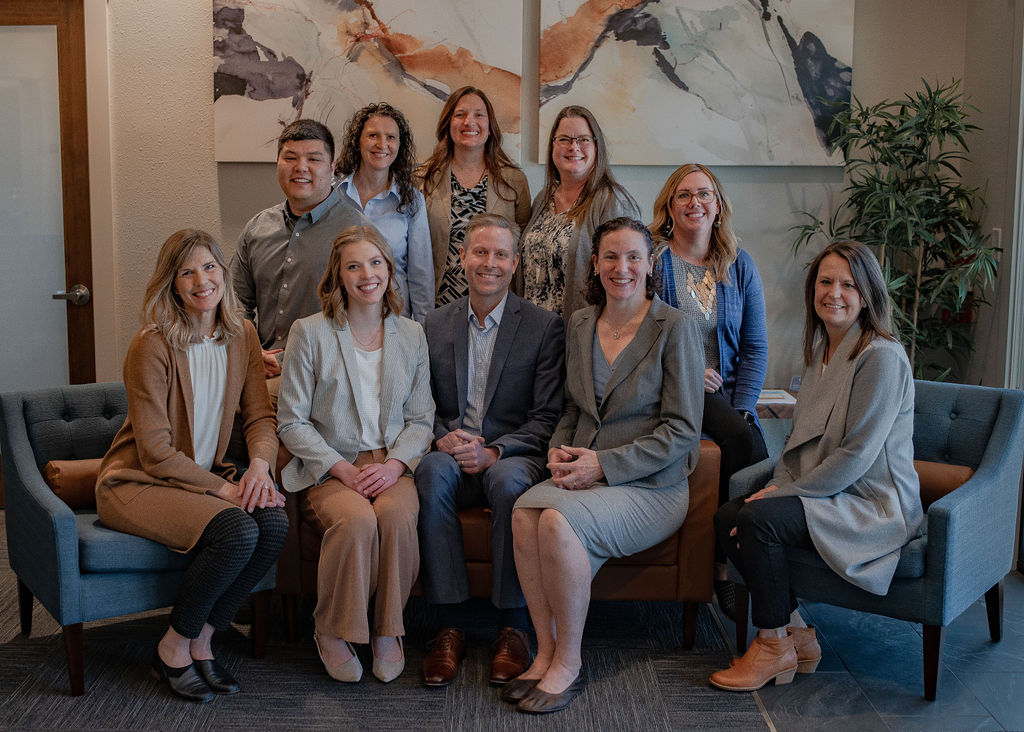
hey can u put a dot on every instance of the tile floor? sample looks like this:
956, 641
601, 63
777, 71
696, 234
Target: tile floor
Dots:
870, 676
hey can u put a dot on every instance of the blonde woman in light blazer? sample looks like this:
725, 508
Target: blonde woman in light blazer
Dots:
355, 411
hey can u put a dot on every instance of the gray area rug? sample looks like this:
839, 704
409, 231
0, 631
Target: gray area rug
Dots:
640, 678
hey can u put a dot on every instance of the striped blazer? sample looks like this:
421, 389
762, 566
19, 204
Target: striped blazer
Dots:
318, 418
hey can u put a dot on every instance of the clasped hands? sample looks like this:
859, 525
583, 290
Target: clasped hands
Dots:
370, 480
255, 490
574, 468
468, 450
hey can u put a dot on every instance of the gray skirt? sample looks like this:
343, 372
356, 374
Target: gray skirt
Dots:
614, 520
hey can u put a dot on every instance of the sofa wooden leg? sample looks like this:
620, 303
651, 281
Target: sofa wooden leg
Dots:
260, 623
690, 610
933, 635
73, 647
994, 606
25, 608
742, 613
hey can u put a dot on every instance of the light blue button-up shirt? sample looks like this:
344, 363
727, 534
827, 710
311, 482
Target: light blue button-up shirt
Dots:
408, 233
481, 348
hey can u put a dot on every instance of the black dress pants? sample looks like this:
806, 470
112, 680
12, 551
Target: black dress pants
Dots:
765, 529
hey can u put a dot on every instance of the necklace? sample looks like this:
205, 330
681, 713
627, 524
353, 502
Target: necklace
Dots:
701, 290
373, 338
618, 332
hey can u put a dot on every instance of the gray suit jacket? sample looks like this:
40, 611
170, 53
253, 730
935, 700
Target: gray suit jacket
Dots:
646, 430
317, 416
523, 397
850, 459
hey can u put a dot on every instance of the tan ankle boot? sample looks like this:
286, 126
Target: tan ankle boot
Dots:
808, 652
767, 659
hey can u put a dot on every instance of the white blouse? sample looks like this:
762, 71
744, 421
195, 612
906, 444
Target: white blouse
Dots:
208, 367
368, 363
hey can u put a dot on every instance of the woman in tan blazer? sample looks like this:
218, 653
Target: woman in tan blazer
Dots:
191, 367
355, 411
628, 439
468, 173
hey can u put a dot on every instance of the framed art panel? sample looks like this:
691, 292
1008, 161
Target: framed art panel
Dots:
712, 81
278, 60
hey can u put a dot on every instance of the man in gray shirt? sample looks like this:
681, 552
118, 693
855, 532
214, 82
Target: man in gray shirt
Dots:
282, 252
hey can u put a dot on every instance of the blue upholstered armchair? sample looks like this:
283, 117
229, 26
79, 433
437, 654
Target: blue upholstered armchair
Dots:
78, 569
967, 548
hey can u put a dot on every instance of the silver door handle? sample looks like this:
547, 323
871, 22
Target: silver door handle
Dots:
79, 295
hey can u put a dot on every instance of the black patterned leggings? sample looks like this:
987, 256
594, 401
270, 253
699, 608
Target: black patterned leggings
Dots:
234, 553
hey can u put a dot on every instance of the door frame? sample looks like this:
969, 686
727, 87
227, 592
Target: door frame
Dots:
69, 18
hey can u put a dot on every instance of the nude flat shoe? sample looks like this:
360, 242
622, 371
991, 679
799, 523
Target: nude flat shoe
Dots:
388, 671
350, 672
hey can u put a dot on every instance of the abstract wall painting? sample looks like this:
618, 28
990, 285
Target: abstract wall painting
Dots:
278, 60
742, 82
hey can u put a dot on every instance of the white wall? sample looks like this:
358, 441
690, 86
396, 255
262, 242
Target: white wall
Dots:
164, 177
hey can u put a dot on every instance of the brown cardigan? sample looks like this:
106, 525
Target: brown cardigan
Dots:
149, 483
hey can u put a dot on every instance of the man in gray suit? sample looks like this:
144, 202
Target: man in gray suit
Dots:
497, 367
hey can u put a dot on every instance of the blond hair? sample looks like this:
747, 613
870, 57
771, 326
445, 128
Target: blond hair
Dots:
163, 310
724, 244
331, 291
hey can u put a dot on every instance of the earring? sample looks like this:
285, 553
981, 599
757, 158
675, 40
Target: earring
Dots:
666, 230
718, 221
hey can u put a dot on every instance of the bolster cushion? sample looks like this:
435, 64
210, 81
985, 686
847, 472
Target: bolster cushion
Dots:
73, 481
939, 479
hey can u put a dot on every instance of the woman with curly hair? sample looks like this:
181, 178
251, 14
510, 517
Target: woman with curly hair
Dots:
375, 168
468, 173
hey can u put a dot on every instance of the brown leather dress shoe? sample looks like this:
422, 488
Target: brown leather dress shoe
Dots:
511, 655
442, 663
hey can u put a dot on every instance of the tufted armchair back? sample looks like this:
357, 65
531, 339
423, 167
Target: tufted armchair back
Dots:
73, 424
953, 422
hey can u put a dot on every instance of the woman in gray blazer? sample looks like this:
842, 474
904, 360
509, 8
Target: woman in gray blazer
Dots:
355, 411
845, 485
619, 459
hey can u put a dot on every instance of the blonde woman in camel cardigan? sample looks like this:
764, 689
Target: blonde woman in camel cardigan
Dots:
165, 478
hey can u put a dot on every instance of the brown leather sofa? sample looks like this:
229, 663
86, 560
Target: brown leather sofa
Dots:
678, 569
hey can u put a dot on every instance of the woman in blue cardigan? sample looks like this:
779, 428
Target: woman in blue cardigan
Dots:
708, 277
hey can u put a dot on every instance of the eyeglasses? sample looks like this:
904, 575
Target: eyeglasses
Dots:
566, 141
703, 195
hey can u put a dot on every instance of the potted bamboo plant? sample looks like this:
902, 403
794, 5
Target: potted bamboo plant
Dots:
905, 198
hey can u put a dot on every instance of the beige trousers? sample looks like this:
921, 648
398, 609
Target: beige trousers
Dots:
370, 549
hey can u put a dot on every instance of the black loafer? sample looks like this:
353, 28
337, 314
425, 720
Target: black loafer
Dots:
516, 689
217, 677
541, 702
184, 682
